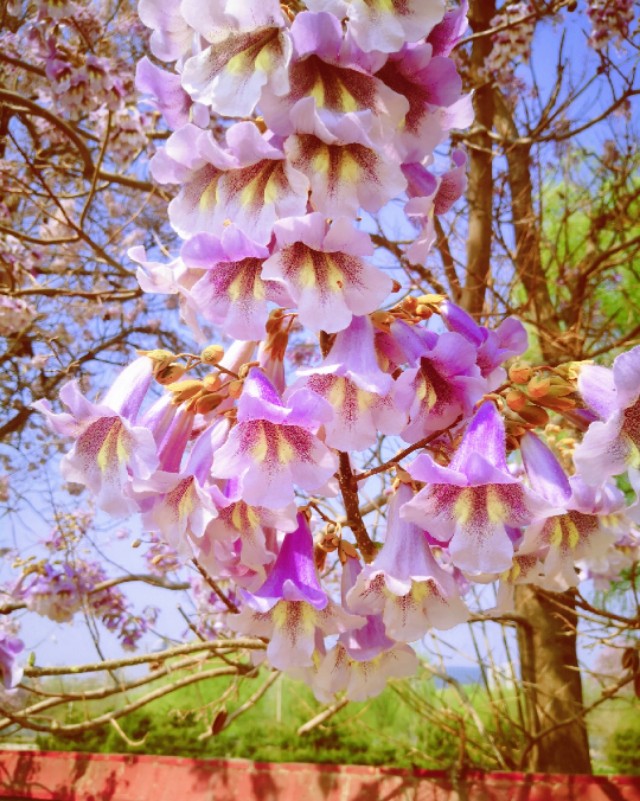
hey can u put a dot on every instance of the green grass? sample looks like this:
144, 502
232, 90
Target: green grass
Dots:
411, 724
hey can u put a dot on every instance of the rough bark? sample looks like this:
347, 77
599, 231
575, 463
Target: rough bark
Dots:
559, 741
480, 186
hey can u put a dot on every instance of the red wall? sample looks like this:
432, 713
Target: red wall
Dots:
111, 777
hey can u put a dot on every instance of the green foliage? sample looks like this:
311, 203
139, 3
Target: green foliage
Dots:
623, 749
381, 731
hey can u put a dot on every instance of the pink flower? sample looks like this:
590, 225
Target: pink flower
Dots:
272, 447
321, 265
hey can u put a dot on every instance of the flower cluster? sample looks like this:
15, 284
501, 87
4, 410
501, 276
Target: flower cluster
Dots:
240, 461
610, 22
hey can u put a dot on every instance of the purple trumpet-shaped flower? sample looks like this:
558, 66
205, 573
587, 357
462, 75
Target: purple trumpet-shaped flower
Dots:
56, 592
272, 446
430, 196
355, 387
10, 672
405, 583
433, 90
172, 38
474, 502
445, 384
321, 265
242, 529
612, 444
363, 659
291, 606
446, 34
231, 292
592, 521
494, 347
166, 94
383, 25
174, 278
180, 505
333, 74
109, 449
250, 182
249, 49
346, 170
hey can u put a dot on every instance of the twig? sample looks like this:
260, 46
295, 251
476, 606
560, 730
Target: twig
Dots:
327, 713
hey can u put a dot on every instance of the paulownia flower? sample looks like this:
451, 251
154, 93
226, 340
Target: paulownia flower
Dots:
291, 607
474, 502
172, 38
336, 78
355, 387
445, 384
384, 25
612, 444
250, 182
405, 583
10, 671
346, 171
180, 505
320, 263
242, 529
433, 89
446, 34
588, 522
494, 346
110, 449
363, 659
168, 97
249, 49
272, 446
430, 196
231, 292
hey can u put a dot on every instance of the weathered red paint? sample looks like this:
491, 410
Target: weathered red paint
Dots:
50, 775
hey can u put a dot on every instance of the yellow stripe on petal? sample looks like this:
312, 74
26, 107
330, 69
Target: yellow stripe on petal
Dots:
271, 190
555, 536
260, 447
495, 507
347, 100
236, 516
320, 162
350, 171
463, 507
235, 289
573, 533
237, 65
337, 393
209, 198
318, 93
335, 277
186, 503
286, 452
296, 617
307, 272
365, 400
264, 61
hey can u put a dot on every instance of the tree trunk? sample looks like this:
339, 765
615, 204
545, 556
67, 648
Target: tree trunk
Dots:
548, 658
480, 178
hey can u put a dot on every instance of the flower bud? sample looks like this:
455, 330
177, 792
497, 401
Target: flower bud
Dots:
183, 390
212, 354
520, 373
516, 400
534, 415
168, 373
